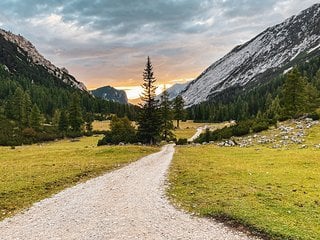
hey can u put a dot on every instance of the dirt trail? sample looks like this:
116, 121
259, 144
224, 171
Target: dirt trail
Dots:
197, 134
128, 203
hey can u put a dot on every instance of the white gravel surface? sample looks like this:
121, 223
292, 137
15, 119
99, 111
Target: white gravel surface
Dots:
197, 134
128, 203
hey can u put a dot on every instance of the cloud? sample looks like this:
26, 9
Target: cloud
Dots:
246, 8
106, 42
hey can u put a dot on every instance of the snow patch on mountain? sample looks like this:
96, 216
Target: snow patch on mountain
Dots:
174, 90
315, 48
271, 50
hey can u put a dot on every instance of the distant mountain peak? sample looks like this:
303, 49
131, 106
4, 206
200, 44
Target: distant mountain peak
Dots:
265, 56
26, 48
174, 90
111, 94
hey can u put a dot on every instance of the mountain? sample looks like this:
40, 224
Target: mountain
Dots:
19, 56
24, 71
111, 94
272, 52
174, 90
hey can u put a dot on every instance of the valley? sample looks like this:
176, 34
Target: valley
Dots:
229, 151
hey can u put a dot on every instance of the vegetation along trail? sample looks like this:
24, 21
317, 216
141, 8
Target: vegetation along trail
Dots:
129, 203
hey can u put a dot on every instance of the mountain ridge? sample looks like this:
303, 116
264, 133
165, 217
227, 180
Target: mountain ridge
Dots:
174, 90
26, 49
111, 94
271, 52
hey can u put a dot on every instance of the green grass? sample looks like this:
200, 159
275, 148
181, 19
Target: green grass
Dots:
31, 173
274, 192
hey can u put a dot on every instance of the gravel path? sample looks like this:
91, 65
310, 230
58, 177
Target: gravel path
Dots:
128, 203
197, 134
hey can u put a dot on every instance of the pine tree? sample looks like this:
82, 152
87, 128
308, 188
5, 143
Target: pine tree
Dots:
18, 106
274, 111
149, 120
89, 118
28, 109
166, 116
75, 115
312, 98
294, 93
179, 112
63, 125
35, 117
56, 118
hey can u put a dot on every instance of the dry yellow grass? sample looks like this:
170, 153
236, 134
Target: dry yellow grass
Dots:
101, 125
189, 128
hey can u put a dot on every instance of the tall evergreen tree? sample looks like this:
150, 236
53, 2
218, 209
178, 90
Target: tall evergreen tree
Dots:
56, 118
149, 120
312, 98
75, 114
166, 116
274, 110
294, 93
178, 108
35, 117
89, 118
17, 107
63, 125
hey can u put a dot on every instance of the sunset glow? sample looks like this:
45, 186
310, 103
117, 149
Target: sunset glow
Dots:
107, 42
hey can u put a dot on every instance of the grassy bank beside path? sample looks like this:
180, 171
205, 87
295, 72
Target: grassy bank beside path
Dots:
31, 173
273, 191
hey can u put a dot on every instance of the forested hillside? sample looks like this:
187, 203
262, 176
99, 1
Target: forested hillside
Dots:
239, 104
32, 106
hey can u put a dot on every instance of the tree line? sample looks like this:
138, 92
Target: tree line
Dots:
154, 118
297, 95
33, 111
289, 95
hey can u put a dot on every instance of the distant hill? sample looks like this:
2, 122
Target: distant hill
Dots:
111, 94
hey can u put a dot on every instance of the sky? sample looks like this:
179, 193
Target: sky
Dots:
106, 42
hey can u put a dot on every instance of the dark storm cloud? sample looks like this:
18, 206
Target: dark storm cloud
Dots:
127, 16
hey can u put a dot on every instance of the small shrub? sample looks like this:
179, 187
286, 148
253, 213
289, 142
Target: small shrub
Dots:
260, 126
182, 141
242, 128
121, 131
314, 116
74, 134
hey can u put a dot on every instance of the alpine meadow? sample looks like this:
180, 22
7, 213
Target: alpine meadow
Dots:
160, 119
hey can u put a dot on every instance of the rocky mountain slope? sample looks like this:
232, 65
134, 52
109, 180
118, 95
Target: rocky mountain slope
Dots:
269, 54
18, 55
111, 94
174, 90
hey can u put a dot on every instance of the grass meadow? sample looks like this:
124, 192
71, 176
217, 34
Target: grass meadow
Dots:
101, 125
187, 129
31, 173
274, 192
